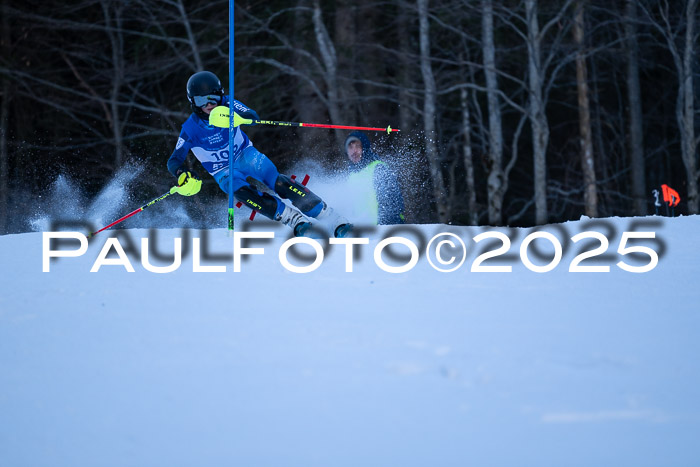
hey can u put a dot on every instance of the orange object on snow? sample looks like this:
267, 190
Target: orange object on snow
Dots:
670, 195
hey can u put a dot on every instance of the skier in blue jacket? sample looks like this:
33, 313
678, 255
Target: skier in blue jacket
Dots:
383, 201
210, 145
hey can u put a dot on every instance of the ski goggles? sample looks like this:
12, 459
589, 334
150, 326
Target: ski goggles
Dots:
201, 101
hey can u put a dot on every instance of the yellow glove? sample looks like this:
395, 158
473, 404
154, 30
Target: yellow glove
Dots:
187, 185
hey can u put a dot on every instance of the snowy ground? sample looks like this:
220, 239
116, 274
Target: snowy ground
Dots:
266, 367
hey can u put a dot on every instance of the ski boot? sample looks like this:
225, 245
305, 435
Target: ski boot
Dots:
334, 222
295, 220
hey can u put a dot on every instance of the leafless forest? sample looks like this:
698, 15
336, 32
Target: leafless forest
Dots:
512, 112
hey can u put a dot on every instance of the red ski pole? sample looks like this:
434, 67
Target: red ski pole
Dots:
219, 117
134, 212
322, 125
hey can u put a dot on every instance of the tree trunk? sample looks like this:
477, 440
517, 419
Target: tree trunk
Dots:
345, 38
413, 168
686, 109
634, 101
307, 105
429, 112
590, 194
538, 119
117, 44
407, 102
330, 74
468, 158
496, 181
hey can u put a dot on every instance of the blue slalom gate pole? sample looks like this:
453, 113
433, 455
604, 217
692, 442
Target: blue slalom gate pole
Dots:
231, 128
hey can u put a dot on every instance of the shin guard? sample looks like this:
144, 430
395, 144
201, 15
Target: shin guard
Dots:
304, 199
266, 204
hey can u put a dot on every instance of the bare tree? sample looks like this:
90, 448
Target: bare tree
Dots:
191, 38
538, 118
468, 157
590, 194
330, 70
348, 28
113, 21
429, 112
685, 113
312, 62
307, 106
496, 177
407, 99
683, 55
634, 100
542, 69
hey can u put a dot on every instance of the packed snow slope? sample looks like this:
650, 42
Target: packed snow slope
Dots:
269, 367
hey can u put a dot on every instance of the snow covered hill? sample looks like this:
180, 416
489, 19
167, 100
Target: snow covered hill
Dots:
270, 367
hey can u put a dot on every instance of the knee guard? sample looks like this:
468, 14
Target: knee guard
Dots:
267, 205
304, 199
